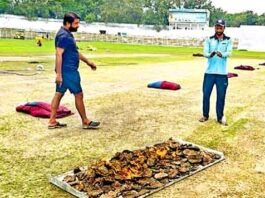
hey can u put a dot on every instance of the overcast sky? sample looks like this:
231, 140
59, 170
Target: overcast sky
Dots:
234, 6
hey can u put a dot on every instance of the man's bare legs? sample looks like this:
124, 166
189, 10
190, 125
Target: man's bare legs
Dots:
79, 103
54, 106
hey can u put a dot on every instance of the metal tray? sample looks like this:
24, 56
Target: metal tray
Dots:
58, 180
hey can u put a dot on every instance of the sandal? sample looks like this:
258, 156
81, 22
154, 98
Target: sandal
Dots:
203, 119
91, 125
57, 125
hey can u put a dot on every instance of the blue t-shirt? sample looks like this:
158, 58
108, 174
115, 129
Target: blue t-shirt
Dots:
64, 39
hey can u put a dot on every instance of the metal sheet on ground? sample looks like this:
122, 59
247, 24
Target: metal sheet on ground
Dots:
58, 180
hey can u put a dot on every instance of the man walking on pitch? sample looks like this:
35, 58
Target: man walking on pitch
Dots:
67, 75
216, 49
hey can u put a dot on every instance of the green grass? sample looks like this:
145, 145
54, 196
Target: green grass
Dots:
248, 55
104, 47
232, 131
13, 47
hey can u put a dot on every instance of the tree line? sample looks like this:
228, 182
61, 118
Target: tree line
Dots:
148, 12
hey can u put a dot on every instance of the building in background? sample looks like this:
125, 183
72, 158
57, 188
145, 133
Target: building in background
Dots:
188, 19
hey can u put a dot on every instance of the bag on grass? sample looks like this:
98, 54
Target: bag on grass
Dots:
42, 110
232, 75
164, 85
245, 67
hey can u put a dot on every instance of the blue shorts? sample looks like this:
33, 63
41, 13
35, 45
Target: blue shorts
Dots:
71, 81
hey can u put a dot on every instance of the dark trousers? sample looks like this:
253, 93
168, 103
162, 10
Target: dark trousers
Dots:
221, 82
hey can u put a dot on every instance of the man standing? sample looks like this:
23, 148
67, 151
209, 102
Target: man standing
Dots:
67, 75
216, 49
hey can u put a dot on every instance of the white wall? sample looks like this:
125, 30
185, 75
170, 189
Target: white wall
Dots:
252, 38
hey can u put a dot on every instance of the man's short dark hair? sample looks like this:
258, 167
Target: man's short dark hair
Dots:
70, 17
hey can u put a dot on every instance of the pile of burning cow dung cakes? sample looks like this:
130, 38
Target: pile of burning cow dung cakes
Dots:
131, 174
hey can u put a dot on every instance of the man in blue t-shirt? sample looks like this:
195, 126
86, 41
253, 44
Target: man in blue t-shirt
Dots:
67, 75
216, 49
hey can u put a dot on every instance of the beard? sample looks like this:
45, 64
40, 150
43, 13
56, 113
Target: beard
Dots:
72, 29
219, 33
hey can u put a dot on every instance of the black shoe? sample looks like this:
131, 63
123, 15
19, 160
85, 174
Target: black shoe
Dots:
222, 121
91, 125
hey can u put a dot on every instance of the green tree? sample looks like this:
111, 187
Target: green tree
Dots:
91, 17
156, 12
121, 11
4, 6
261, 19
250, 18
243, 18
197, 4
216, 13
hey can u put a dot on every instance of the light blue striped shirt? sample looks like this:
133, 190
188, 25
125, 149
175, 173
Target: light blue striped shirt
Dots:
216, 64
